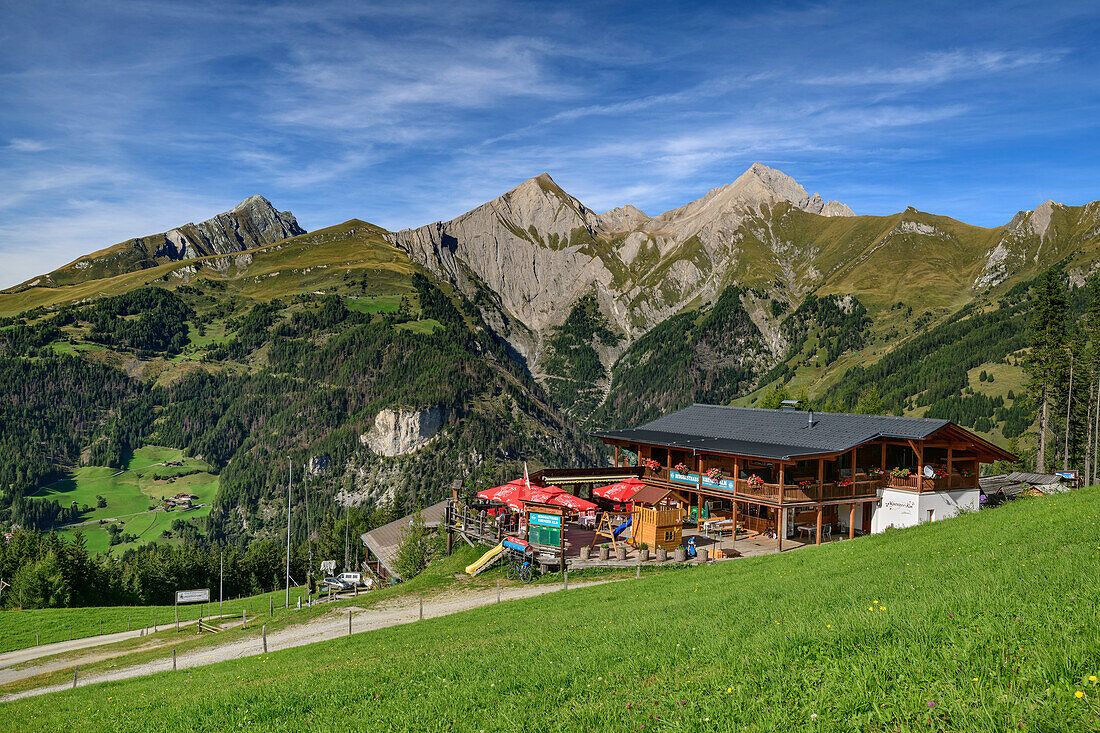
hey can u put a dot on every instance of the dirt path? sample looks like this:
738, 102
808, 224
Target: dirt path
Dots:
330, 626
12, 659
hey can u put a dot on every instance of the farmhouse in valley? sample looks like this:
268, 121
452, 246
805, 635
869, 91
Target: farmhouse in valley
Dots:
792, 471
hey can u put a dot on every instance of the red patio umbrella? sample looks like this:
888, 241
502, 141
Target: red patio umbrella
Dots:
575, 503
543, 495
621, 491
502, 492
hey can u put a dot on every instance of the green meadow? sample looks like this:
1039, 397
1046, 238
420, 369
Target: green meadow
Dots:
131, 493
986, 622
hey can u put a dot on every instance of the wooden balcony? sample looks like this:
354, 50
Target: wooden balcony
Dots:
923, 483
791, 493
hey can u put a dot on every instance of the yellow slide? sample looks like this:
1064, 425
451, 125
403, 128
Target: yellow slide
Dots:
486, 560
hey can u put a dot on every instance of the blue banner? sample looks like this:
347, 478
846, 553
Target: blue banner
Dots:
725, 484
545, 520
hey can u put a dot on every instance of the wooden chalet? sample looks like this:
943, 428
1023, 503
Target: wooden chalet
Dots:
797, 471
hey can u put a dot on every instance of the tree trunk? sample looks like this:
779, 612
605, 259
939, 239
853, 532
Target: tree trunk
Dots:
1041, 458
1069, 405
1096, 435
1088, 435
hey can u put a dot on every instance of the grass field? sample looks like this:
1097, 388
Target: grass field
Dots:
18, 627
130, 494
987, 622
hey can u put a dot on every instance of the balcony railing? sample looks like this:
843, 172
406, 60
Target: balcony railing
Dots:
923, 483
863, 486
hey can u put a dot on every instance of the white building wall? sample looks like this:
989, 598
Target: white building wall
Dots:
900, 508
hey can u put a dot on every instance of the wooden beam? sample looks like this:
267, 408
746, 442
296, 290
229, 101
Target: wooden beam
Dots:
616, 456
818, 524
852, 521
883, 457
780, 528
820, 471
781, 482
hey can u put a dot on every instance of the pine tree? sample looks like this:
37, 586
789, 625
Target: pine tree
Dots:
415, 550
1046, 360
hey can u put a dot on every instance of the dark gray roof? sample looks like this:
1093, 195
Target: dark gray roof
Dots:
383, 541
772, 434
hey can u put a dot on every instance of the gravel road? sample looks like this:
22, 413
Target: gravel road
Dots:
329, 626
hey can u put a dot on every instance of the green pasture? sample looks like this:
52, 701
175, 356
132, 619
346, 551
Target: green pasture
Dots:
984, 622
131, 493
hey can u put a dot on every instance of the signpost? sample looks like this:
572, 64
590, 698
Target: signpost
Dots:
193, 596
201, 595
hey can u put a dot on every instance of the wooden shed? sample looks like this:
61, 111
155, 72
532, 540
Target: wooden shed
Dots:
655, 525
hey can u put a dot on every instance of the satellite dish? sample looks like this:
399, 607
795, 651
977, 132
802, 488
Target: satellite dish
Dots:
929, 472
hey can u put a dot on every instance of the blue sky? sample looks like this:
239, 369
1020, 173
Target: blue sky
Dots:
127, 118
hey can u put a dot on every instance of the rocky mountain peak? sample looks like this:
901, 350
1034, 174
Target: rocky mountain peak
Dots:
622, 219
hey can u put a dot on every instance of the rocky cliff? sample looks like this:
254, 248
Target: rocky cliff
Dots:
252, 223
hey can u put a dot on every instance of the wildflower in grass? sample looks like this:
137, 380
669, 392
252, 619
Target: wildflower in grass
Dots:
975, 679
931, 703
813, 716
1078, 694
1092, 678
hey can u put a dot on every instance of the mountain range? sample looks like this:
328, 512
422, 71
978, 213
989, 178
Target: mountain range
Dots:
509, 331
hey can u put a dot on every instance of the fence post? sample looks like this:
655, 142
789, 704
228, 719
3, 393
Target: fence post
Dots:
498, 590
127, 623
154, 620
101, 627
244, 619
177, 619
36, 638
70, 632
271, 605
76, 669
638, 571
173, 660
565, 580
264, 633
421, 608
349, 623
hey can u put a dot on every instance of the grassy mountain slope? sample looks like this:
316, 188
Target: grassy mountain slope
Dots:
292, 348
979, 623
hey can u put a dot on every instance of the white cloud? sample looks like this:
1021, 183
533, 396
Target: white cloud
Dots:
941, 67
26, 145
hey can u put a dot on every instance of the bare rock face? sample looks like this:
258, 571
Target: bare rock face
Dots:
540, 250
252, 223
400, 432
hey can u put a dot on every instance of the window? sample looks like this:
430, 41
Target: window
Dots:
670, 535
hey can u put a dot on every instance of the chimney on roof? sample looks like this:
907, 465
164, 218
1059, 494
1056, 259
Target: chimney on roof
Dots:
810, 422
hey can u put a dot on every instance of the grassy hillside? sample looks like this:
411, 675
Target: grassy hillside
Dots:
134, 496
985, 622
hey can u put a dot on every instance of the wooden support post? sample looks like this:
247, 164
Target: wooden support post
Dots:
173, 660
263, 633
780, 528
782, 481
820, 477
852, 521
616, 456
883, 466
733, 534
818, 542
949, 475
